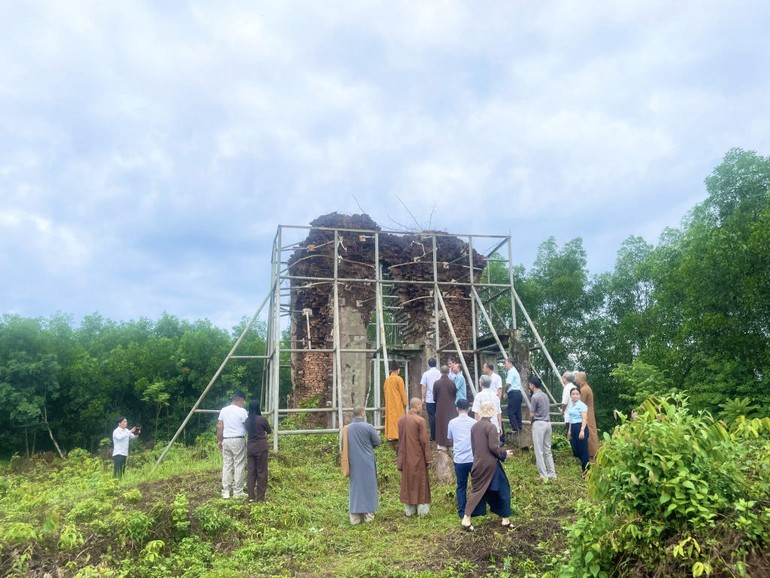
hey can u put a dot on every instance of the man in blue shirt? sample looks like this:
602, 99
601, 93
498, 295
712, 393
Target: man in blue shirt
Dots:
513, 389
459, 431
460, 385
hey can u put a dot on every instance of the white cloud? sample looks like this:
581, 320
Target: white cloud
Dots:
152, 149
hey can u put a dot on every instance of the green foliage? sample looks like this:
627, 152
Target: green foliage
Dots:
180, 515
640, 380
78, 380
674, 492
733, 409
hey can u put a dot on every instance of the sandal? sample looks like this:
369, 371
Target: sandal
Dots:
508, 526
468, 528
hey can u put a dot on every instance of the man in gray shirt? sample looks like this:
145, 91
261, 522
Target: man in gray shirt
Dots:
540, 417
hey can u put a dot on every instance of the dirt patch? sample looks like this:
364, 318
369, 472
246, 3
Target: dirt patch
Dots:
199, 488
492, 545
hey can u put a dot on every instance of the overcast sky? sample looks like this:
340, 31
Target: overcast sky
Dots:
149, 150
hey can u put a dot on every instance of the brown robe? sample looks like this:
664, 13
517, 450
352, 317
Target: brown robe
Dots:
485, 443
587, 396
395, 402
444, 392
414, 457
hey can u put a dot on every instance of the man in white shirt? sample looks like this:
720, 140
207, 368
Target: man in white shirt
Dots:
231, 434
120, 438
496, 386
427, 381
486, 394
568, 380
459, 431
515, 395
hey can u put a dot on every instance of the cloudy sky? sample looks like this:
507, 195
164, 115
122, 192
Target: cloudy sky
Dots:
149, 150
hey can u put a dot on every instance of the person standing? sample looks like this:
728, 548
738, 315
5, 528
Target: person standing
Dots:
414, 459
427, 381
568, 383
578, 433
459, 431
540, 417
496, 385
488, 479
486, 394
257, 429
359, 439
120, 439
444, 393
515, 396
395, 401
460, 384
587, 397
231, 432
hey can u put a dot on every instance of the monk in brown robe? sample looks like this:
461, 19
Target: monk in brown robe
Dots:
587, 397
488, 479
414, 459
444, 393
395, 401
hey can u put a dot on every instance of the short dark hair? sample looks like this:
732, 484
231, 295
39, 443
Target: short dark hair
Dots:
490, 365
535, 381
462, 404
394, 365
432, 362
238, 394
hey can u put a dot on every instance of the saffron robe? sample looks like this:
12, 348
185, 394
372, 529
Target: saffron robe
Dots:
395, 402
587, 396
414, 457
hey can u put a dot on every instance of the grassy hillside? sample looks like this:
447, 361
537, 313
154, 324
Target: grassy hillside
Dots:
73, 519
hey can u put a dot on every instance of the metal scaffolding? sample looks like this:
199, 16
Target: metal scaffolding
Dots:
492, 335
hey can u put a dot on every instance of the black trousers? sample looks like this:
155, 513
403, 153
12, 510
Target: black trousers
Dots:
431, 409
118, 465
579, 447
514, 409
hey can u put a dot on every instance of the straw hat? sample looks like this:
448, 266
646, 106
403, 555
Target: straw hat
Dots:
487, 409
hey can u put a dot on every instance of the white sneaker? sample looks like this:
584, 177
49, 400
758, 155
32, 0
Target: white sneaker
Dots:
225, 495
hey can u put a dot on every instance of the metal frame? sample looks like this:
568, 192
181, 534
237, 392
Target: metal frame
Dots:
288, 238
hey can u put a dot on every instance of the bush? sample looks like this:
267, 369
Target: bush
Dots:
675, 493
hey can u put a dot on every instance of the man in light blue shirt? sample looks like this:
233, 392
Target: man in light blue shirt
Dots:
513, 389
459, 430
457, 372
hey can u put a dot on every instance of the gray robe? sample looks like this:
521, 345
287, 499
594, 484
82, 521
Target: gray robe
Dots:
362, 439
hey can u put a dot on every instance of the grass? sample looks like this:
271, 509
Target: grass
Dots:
74, 518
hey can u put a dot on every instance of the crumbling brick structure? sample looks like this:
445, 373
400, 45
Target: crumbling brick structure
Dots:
408, 262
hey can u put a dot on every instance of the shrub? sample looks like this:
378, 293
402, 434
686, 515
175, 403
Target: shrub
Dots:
674, 493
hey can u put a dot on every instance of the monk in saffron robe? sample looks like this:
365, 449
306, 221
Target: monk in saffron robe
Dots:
414, 459
395, 401
587, 397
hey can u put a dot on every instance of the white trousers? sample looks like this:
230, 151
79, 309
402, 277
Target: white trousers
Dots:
233, 466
